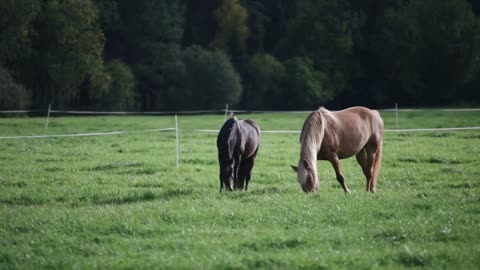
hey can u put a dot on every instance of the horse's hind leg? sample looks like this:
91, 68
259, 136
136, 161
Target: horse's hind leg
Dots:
248, 170
240, 182
221, 183
237, 171
338, 171
365, 159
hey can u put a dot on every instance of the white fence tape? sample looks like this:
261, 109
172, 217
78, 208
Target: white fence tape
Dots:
85, 134
386, 130
137, 113
221, 111
432, 129
216, 131
21, 111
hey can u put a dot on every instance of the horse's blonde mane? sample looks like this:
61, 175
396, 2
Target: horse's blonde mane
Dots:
313, 132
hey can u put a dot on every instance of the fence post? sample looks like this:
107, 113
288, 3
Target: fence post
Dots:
176, 135
396, 116
226, 112
48, 115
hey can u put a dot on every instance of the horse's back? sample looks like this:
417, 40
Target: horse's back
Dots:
349, 130
360, 114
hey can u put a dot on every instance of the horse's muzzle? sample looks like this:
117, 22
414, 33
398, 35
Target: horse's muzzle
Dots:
310, 188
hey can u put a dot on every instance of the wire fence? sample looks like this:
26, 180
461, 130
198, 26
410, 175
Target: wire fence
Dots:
225, 112
49, 112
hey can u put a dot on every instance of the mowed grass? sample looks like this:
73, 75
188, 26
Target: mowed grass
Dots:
118, 201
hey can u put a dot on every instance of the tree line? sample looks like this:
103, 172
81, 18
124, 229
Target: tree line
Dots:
270, 54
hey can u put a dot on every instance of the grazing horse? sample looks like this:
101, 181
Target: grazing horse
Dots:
334, 135
237, 143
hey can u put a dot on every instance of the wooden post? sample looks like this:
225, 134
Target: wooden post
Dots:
176, 135
396, 116
226, 112
48, 115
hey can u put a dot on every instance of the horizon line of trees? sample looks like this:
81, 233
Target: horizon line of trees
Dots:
271, 54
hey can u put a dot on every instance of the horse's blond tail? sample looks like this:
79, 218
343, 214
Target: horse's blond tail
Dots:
376, 165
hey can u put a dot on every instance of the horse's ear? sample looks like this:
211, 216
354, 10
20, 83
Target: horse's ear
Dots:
295, 168
305, 164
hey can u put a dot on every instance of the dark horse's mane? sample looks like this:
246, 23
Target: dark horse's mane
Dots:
229, 131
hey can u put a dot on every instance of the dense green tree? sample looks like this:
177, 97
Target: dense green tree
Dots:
321, 31
121, 93
200, 22
67, 53
256, 23
305, 86
232, 31
288, 54
414, 52
425, 50
232, 25
16, 17
264, 78
13, 96
208, 81
148, 38
446, 48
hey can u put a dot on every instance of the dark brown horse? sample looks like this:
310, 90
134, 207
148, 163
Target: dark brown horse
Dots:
328, 135
237, 143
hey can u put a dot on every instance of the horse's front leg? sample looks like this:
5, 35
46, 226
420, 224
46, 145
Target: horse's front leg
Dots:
338, 171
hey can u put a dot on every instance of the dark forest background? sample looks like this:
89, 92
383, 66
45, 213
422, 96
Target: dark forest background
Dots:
272, 54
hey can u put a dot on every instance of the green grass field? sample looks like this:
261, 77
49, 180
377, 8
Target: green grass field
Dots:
118, 201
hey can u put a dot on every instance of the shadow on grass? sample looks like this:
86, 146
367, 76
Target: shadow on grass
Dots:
469, 185
23, 200
274, 244
117, 165
431, 160
143, 197
197, 161
392, 236
414, 259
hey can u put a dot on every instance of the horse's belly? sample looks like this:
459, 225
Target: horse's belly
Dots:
341, 151
350, 151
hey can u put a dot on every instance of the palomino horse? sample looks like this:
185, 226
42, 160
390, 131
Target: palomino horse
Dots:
334, 135
237, 143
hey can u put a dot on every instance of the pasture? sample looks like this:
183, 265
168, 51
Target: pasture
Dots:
118, 201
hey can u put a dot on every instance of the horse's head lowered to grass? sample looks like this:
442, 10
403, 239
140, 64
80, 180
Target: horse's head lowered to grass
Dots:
306, 176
